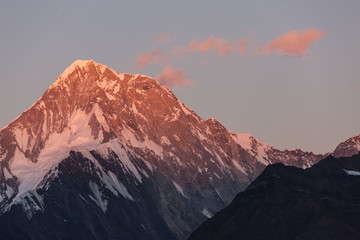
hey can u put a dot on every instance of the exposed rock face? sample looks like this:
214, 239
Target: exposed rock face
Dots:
141, 152
321, 202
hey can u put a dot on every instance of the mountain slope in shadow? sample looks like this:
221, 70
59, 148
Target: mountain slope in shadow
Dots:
321, 202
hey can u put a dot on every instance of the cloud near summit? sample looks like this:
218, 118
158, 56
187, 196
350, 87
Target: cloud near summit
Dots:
154, 56
221, 46
293, 43
173, 77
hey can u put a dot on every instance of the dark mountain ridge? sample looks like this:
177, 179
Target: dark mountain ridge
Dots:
284, 202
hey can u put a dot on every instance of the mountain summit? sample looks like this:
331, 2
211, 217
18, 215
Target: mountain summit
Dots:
104, 155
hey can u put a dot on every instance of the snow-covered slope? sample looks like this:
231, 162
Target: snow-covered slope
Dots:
131, 133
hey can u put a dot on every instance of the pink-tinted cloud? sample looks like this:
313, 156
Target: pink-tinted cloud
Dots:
153, 56
201, 47
242, 45
223, 46
173, 77
219, 45
164, 38
293, 43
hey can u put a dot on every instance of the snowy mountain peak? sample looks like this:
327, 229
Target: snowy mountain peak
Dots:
82, 63
77, 65
80, 70
136, 126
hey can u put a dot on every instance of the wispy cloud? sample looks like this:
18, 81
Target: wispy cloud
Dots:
153, 56
164, 38
223, 46
242, 45
201, 47
219, 45
173, 77
292, 43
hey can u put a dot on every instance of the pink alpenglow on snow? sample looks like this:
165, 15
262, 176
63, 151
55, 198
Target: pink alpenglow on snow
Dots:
293, 43
153, 56
173, 77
